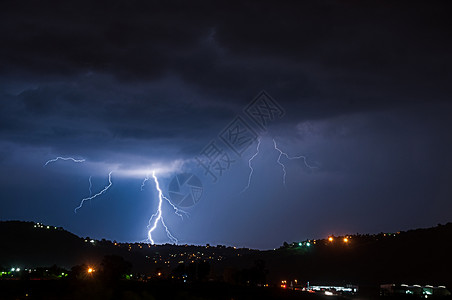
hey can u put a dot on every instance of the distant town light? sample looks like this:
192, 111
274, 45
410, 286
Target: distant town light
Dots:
300, 244
308, 244
330, 239
345, 240
90, 270
328, 293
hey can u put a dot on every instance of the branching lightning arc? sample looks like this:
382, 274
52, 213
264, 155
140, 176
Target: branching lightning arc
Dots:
144, 182
90, 188
96, 195
64, 158
250, 166
157, 216
177, 211
281, 153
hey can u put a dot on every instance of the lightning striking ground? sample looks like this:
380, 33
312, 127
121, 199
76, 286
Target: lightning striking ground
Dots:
251, 167
157, 216
281, 153
64, 158
96, 195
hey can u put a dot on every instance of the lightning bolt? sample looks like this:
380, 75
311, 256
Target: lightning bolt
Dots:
281, 153
251, 167
96, 195
64, 158
90, 186
144, 182
157, 216
177, 211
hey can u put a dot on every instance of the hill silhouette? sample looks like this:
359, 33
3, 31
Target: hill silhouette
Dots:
33, 244
421, 256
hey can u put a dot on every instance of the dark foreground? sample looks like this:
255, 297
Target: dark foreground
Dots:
50, 289
155, 290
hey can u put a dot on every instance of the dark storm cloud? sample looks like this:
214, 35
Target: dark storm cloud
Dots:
82, 69
77, 36
320, 59
294, 50
86, 116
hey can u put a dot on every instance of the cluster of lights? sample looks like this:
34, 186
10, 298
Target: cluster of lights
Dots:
185, 257
345, 240
283, 284
307, 244
14, 270
40, 225
291, 284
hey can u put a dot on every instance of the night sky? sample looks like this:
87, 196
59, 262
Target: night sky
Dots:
361, 89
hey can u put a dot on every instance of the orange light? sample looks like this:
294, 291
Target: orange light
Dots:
159, 274
345, 240
90, 270
330, 239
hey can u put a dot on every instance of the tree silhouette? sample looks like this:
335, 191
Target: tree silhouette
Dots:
114, 267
